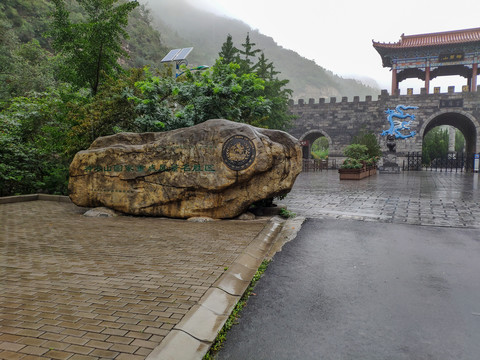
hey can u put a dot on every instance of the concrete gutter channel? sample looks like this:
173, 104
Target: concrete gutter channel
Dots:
192, 337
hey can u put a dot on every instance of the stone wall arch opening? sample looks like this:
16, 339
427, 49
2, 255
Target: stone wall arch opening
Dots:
442, 143
308, 139
462, 121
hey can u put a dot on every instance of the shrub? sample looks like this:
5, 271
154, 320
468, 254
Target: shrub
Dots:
320, 154
350, 163
32, 137
356, 151
370, 141
357, 157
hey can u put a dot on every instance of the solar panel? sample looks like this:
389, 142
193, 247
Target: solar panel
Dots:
182, 55
171, 55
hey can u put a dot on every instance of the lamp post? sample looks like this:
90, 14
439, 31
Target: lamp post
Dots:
179, 56
201, 67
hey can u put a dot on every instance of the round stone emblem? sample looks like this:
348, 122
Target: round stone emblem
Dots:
238, 152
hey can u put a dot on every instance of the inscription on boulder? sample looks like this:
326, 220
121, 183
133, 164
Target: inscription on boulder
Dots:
238, 152
215, 169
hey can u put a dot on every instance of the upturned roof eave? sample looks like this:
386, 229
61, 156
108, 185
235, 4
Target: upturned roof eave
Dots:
396, 46
465, 36
389, 51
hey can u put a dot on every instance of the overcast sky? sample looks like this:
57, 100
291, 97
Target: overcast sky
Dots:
338, 34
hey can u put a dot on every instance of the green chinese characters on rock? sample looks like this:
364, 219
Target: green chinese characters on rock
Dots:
209, 168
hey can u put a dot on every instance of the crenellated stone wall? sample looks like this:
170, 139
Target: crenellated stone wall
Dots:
340, 121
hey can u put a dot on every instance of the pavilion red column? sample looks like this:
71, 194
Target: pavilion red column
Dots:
427, 79
473, 87
394, 81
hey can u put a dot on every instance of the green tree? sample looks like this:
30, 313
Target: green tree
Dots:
249, 54
94, 46
33, 69
459, 141
264, 69
319, 148
274, 89
435, 145
33, 131
108, 112
144, 44
8, 42
370, 140
356, 151
229, 53
155, 106
28, 19
216, 93
221, 93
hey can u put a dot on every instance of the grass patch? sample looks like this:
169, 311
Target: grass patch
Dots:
233, 318
286, 214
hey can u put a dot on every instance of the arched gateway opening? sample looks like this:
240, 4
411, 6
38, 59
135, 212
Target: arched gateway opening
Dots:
462, 121
308, 140
315, 145
442, 127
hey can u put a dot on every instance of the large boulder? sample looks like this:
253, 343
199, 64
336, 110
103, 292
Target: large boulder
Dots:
215, 169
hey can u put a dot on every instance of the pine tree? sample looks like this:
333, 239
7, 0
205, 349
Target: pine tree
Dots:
272, 90
248, 52
275, 91
263, 67
229, 53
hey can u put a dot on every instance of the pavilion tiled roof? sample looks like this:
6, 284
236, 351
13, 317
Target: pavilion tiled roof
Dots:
433, 39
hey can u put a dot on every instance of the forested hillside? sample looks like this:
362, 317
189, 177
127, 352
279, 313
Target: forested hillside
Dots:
182, 25
26, 55
175, 24
72, 71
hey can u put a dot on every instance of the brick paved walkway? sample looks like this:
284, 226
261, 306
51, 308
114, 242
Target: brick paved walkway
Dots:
75, 288
421, 198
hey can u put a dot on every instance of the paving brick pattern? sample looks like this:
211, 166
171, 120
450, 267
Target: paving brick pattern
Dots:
421, 198
80, 288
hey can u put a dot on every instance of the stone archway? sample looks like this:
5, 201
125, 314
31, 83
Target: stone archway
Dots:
463, 121
309, 137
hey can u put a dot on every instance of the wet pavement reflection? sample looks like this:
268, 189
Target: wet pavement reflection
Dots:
420, 198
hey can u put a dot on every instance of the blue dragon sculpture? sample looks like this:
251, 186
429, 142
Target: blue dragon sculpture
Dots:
396, 126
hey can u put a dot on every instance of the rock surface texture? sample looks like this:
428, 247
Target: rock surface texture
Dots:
215, 169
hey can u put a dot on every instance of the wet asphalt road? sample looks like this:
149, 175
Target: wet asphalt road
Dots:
346, 289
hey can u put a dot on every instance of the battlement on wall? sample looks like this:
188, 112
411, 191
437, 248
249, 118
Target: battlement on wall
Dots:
332, 100
384, 95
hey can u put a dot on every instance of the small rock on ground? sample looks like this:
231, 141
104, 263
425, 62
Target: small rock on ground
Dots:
246, 216
200, 219
101, 212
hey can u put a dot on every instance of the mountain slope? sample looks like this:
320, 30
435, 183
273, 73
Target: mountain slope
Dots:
182, 25
30, 19
178, 24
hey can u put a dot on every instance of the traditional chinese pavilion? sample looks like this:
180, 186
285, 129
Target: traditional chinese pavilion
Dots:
427, 56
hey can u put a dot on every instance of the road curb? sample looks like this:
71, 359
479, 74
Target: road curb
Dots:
192, 337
